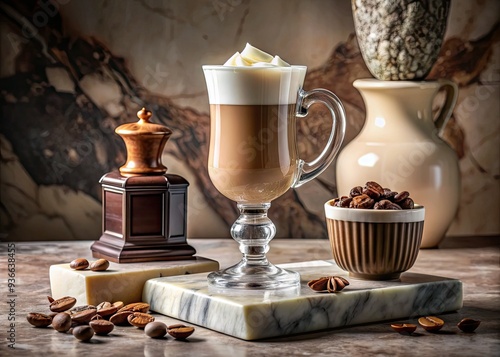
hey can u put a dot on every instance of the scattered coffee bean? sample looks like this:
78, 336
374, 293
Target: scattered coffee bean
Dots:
431, 323
79, 264
376, 197
404, 329
105, 312
38, 320
99, 265
155, 329
83, 333
180, 332
140, 319
62, 304
121, 318
118, 304
83, 317
101, 327
61, 322
468, 325
136, 307
103, 305
81, 308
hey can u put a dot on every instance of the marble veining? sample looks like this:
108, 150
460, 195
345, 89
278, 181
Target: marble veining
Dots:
257, 315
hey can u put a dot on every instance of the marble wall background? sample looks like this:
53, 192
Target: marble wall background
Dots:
73, 72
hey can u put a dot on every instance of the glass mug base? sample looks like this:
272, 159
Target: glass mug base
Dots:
262, 277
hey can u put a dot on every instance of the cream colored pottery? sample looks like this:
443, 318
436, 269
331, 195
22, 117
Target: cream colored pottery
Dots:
400, 148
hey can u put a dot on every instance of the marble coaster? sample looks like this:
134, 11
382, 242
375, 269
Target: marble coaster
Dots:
252, 315
121, 282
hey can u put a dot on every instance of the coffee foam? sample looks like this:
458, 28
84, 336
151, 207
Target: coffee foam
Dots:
253, 85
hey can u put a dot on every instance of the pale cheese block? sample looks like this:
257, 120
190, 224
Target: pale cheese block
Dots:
121, 282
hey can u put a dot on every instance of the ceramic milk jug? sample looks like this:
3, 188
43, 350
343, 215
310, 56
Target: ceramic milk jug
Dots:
400, 148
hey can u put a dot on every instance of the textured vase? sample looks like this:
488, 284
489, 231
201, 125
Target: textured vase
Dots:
400, 39
399, 147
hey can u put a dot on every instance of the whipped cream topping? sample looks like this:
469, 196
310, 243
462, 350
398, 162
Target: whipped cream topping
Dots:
253, 57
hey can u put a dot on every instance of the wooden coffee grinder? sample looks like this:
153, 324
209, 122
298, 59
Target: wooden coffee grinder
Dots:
144, 209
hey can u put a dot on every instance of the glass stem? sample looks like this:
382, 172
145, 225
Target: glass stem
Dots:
253, 230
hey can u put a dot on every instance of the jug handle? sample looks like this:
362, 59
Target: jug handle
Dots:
307, 170
451, 91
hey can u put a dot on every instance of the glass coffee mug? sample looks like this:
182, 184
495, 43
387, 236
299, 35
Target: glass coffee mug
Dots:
253, 158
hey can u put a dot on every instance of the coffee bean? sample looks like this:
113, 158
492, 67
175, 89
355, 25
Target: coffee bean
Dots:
136, 307
118, 304
38, 320
120, 318
407, 203
431, 323
363, 201
372, 185
140, 319
83, 333
468, 325
374, 196
84, 317
79, 264
373, 189
180, 332
404, 329
345, 202
61, 322
155, 329
62, 304
386, 204
99, 265
356, 191
401, 196
102, 327
81, 308
389, 194
107, 311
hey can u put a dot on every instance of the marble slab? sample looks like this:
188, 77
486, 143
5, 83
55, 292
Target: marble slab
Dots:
252, 315
121, 282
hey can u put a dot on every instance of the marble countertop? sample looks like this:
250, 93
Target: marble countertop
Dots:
473, 260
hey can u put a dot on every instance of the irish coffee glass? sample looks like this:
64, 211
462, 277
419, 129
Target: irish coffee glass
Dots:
253, 158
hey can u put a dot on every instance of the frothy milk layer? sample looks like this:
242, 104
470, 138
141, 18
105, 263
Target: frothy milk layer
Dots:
253, 85
254, 77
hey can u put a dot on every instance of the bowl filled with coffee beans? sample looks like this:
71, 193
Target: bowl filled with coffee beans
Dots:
375, 233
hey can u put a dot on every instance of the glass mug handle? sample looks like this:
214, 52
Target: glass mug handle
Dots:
449, 104
309, 170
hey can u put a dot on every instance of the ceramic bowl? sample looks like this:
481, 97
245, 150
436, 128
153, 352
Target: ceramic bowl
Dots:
374, 244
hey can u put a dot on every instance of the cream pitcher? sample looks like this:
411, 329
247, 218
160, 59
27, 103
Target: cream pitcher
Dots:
400, 147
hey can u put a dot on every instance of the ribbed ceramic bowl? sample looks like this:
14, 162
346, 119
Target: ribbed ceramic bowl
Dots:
374, 244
